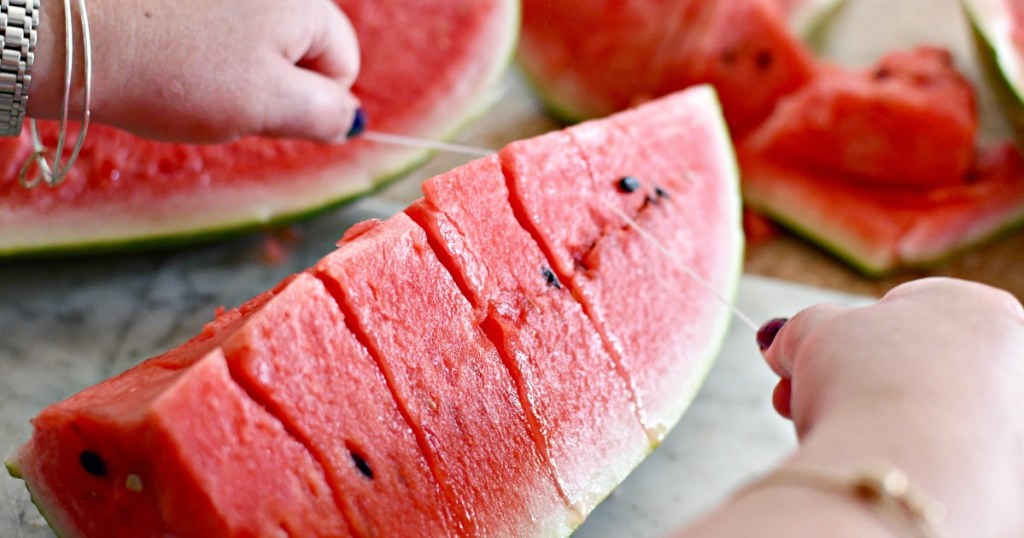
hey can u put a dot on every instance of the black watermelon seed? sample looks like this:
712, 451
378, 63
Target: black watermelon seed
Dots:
629, 184
362, 465
92, 463
660, 192
764, 60
550, 278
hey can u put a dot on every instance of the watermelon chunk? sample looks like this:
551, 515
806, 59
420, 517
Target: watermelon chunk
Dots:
580, 408
388, 386
909, 121
125, 191
878, 231
589, 59
173, 452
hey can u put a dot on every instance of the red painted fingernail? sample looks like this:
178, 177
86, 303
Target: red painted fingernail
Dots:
766, 334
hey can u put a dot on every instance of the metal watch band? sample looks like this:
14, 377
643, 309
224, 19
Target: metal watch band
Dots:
19, 20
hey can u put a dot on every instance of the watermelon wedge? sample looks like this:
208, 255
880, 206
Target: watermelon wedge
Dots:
879, 231
589, 59
490, 362
880, 166
998, 27
130, 192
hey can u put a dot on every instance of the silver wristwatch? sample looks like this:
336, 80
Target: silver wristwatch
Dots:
19, 20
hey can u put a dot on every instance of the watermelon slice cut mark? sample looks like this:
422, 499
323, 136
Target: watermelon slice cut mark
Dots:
579, 410
520, 213
275, 412
492, 329
337, 293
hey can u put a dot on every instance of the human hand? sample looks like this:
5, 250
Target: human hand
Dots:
930, 379
202, 71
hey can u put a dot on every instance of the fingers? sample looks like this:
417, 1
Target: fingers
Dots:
305, 104
785, 346
312, 97
334, 49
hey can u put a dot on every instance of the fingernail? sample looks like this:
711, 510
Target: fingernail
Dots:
358, 124
766, 334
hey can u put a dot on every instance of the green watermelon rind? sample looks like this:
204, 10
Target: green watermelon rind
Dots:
994, 61
721, 326
482, 98
183, 238
863, 262
14, 469
814, 23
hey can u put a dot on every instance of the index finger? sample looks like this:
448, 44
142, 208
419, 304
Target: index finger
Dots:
789, 340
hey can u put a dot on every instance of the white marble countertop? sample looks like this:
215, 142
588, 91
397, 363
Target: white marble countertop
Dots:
68, 324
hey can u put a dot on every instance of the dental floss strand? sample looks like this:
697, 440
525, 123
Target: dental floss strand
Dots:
400, 140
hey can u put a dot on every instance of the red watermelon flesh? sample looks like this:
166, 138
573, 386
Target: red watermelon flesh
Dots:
909, 121
124, 190
590, 59
881, 230
580, 408
246, 430
619, 276
181, 450
447, 378
297, 358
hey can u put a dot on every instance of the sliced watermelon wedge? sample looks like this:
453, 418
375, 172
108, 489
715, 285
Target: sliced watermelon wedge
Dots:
129, 192
385, 390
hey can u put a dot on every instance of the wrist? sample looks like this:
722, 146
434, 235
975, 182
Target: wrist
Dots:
953, 459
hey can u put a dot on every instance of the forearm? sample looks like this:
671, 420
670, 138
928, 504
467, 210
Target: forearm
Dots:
973, 478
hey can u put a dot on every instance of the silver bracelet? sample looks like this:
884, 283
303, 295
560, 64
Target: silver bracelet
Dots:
55, 174
19, 21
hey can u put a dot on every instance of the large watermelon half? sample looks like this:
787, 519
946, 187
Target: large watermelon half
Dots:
999, 35
490, 362
591, 58
428, 66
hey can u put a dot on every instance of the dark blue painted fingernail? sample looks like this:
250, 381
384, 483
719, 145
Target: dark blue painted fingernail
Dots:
766, 334
358, 124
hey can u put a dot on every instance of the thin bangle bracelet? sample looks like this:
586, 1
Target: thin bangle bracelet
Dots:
55, 174
883, 488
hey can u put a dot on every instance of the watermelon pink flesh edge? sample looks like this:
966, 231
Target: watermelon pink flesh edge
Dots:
580, 408
880, 231
127, 191
411, 348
